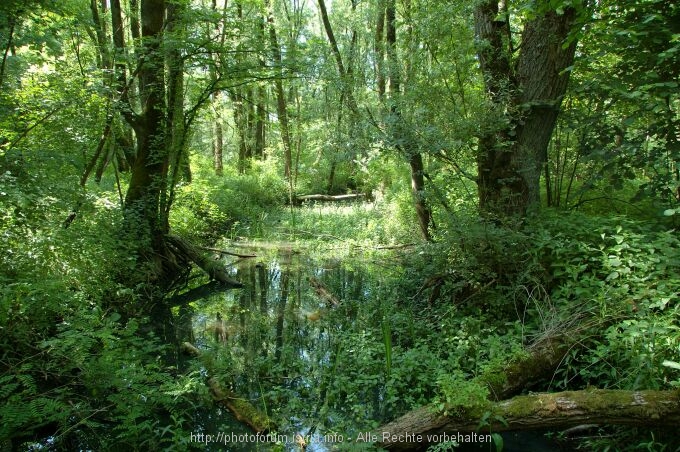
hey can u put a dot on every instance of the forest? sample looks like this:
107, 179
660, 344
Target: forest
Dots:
339, 225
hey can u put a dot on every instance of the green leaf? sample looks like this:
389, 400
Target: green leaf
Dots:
671, 364
498, 441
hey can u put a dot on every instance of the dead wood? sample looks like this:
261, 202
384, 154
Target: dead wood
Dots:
228, 253
543, 357
242, 409
213, 268
329, 198
323, 292
394, 247
534, 412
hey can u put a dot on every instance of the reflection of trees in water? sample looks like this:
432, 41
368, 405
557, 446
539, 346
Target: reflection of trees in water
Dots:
278, 350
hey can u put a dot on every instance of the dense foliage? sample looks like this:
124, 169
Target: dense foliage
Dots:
261, 103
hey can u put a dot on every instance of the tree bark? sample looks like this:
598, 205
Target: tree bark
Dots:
379, 49
143, 195
260, 118
11, 24
529, 92
534, 412
218, 137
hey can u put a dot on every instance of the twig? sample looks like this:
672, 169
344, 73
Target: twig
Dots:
394, 247
229, 253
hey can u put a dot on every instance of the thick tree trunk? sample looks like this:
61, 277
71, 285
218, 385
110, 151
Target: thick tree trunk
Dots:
535, 412
142, 201
510, 160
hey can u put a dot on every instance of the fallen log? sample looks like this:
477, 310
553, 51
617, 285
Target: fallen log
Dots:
559, 410
213, 268
322, 292
243, 410
330, 198
543, 357
394, 247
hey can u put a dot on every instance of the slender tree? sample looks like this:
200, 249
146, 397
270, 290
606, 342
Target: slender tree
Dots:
399, 134
281, 103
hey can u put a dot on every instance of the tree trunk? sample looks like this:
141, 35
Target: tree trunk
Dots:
218, 137
399, 136
534, 412
143, 195
379, 49
529, 94
346, 85
418, 191
260, 118
281, 107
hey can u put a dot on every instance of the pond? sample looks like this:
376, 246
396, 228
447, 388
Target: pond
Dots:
328, 348
293, 340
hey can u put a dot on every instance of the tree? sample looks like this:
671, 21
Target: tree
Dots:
399, 133
281, 102
618, 131
526, 92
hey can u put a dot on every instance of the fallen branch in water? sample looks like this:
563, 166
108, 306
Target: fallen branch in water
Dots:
228, 253
322, 292
243, 410
214, 269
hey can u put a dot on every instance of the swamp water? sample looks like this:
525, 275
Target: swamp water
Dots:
303, 341
309, 342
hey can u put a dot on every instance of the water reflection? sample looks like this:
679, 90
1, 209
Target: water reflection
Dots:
277, 339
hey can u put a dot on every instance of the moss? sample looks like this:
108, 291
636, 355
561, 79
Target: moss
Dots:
495, 378
259, 421
465, 398
516, 408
